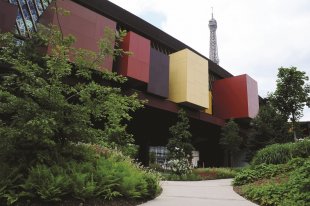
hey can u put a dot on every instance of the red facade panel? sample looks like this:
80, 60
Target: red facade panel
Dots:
235, 97
8, 13
87, 26
137, 65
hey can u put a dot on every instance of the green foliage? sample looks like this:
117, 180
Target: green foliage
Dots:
301, 148
267, 194
282, 153
252, 174
9, 180
299, 184
279, 175
292, 93
273, 154
47, 183
59, 121
268, 127
215, 173
179, 145
107, 177
230, 138
201, 174
290, 187
182, 177
48, 102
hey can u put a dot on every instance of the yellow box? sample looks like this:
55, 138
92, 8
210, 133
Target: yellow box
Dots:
188, 79
209, 110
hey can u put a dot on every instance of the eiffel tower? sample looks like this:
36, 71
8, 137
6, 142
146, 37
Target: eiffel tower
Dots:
213, 55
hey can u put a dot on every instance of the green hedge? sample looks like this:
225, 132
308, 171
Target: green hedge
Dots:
282, 153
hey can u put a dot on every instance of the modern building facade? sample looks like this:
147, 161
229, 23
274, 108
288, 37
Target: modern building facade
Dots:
163, 70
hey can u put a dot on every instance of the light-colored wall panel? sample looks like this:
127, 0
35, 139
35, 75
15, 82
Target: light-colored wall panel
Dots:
188, 79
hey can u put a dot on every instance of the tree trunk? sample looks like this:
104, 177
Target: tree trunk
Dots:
231, 158
294, 128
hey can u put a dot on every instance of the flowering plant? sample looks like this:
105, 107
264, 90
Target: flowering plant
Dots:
180, 166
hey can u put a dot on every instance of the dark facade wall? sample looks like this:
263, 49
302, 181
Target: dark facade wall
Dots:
137, 65
84, 24
8, 13
159, 74
150, 127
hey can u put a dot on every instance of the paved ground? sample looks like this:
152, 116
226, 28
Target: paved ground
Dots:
198, 193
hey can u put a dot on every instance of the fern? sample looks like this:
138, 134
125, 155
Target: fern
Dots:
49, 184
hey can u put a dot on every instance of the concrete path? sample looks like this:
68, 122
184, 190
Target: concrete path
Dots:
198, 193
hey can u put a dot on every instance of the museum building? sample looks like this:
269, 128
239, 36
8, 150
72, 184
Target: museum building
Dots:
161, 69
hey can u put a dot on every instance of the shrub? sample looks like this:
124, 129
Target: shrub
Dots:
267, 194
180, 166
299, 184
288, 186
215, 173
9, 181
282, 153
249, 175
273, 154
104, 177
184, 177
301, 148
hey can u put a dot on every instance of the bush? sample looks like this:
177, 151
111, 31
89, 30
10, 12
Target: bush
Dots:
299, 184
9, 181
184, 177
282, 153
106, 177
180, 166
267, 194
301, 148
215, 173
252, 174
46, 183
284, 187
273, 154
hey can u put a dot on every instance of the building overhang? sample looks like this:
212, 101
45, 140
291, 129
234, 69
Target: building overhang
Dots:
144, 29
166, 105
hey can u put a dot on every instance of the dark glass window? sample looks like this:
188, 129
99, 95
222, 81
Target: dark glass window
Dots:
28, 14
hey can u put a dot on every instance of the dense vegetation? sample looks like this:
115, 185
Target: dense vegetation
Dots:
61, 121
200, 174
88, 174
279, 175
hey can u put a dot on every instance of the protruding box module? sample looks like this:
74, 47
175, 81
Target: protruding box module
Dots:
235, 97
189, 79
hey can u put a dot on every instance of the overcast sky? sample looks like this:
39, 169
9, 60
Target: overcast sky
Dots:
254, 36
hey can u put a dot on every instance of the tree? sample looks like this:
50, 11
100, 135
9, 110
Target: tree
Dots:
230, 139
49, 103
292, 94
268, 127
179, 146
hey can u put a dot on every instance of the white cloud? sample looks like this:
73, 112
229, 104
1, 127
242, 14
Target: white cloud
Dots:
254, 37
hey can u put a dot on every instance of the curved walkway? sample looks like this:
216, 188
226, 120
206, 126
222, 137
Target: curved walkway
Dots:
198, 193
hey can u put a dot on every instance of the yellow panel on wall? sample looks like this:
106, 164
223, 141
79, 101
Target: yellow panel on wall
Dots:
209, 110
188, 79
